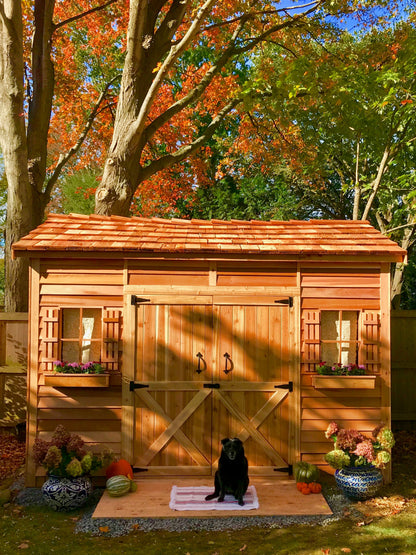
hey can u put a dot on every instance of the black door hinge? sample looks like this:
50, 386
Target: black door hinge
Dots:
138, 300
212, 385
288, 386
288, 301
134, 385
288, 469
138, 469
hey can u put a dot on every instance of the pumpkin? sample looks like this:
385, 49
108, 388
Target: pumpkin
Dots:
306, 490
118, 485
300, 485
315, 487
306, 472
119, 468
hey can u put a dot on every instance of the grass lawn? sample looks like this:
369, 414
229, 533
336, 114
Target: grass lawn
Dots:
386, 524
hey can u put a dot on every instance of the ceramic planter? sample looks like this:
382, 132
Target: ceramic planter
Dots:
55, 379
343, 382
66, 494
361, 482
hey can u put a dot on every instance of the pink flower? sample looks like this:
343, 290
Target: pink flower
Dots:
365, 449
349, 439
332, 430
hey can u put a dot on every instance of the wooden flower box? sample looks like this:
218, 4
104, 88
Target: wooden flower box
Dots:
76, 380
343, 382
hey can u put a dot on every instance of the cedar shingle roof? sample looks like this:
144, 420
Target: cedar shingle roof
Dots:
96, 233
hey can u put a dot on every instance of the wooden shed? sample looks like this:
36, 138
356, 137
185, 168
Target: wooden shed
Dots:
208, 329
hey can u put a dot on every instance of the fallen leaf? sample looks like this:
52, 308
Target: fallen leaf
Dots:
325, 551
346, 550
243, 548
104, 529
23, 545
365, 523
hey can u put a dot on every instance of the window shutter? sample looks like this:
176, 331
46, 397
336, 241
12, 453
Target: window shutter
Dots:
49, 337
370, 341
311, 330
111, 339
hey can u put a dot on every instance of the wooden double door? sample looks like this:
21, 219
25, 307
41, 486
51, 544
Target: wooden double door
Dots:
206, 369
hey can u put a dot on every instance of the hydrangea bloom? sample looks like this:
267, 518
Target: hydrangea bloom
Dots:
53, 457
352, 448
337, 459
40, 448
365, 449
76, 445
385, 438
66, 456
332, 430
382, 458
74, 468
349, 439
60, 436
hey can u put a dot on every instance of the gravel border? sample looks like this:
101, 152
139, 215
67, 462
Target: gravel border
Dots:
115, 527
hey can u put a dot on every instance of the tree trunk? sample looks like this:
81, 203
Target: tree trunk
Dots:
13, 143
398, 271
115, 193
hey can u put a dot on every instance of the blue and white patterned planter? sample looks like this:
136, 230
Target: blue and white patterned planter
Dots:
361, 482
66, 494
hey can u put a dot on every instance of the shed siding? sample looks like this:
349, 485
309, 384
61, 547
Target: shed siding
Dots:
96, 414
338, 288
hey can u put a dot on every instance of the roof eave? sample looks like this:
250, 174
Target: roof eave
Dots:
392, 257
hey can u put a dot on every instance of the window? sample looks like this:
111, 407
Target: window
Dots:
339, 336
81, 336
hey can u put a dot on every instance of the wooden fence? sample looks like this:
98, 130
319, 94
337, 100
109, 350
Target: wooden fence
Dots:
13, 358
13, 362
403, 367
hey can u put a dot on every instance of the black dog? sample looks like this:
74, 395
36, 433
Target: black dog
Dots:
232, 474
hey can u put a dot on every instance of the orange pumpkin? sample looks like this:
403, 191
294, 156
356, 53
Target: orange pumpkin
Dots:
119, 468
306, 490
300, 485
315, 487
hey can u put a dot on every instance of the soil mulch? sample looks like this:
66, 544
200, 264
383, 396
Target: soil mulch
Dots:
12, 456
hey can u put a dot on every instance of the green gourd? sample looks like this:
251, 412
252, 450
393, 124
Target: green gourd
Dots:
118, 485
305, 472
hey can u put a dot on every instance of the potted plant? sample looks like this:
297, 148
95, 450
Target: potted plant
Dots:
68, 466
74, 374
357, 459
337, 375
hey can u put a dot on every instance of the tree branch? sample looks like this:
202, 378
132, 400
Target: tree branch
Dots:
139, 124
83, 14
64, 158
253, 15
231, 51
185, 151
377, 181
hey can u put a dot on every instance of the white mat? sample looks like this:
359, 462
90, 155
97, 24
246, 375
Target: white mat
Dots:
193, 499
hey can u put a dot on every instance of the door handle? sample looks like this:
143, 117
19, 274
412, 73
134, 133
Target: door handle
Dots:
204, 365
228, 360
